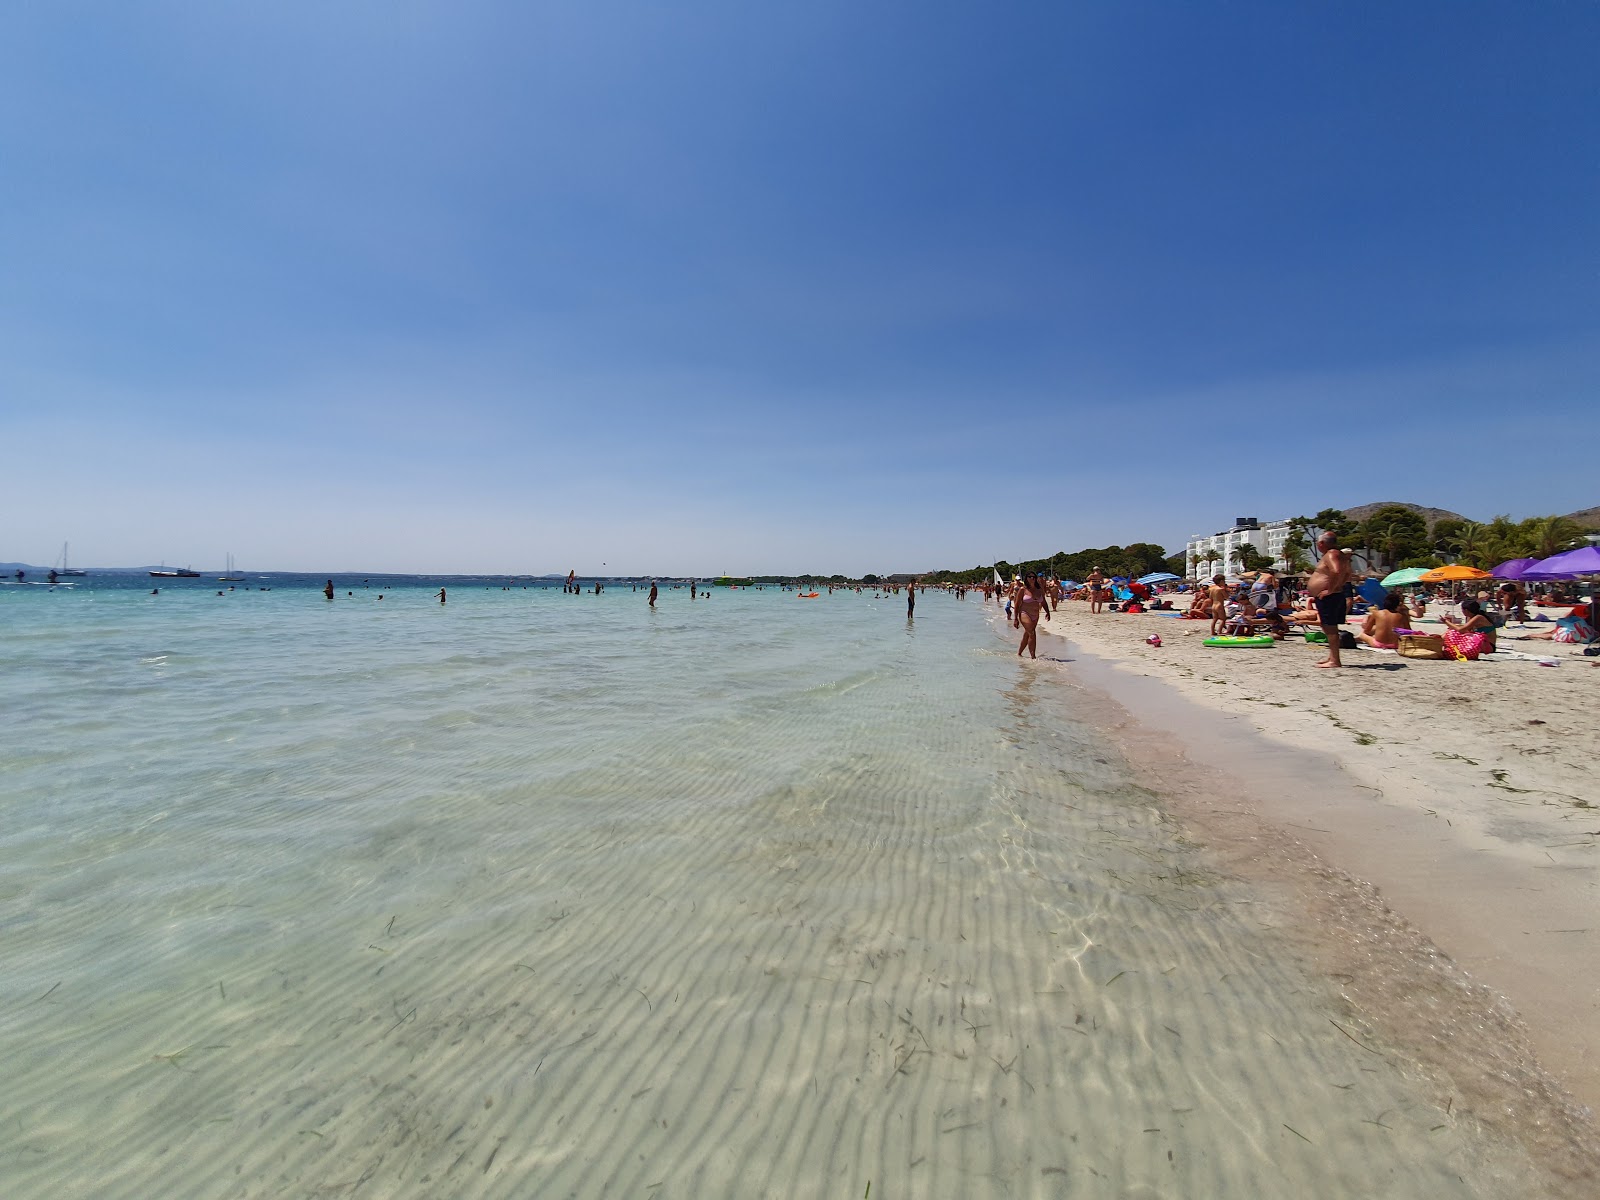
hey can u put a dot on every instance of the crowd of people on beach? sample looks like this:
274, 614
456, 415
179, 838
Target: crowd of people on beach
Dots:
1260, 605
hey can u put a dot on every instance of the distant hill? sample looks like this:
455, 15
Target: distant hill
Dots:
1432, 515
1587, 519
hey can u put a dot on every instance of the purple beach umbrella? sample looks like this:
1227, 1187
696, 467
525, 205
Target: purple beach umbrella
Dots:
1585, 560
1513, 569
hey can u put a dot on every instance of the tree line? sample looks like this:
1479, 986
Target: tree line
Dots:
1141, 558
1393, 537
1387, 539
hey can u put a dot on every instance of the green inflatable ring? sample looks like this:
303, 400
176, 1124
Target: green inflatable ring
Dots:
1239, 641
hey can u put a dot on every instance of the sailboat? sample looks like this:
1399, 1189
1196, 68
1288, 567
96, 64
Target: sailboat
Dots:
228, 576
63, 569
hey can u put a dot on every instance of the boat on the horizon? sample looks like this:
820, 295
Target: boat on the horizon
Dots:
228, 576
64, 570
174, 573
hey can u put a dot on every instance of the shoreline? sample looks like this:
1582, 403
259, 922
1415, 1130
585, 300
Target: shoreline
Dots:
1403, 803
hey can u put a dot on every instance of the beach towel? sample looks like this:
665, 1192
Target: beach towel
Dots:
1573, 629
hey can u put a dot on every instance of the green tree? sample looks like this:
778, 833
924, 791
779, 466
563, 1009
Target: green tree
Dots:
1544, 536
1297, 546
1445, 531
1469, 543
1247, 558
1392, 533
1334, 521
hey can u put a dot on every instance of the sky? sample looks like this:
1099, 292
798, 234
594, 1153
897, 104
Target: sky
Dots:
692, 288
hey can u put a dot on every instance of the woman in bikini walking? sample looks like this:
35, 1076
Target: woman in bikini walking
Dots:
1031, 599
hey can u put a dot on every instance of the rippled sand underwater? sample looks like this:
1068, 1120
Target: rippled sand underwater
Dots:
535, 894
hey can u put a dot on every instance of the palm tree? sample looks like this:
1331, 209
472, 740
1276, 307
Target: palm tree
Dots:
1471, 543
1550, 535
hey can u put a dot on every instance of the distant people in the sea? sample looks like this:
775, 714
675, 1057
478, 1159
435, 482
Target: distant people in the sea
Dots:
441, 595
652, 593
327, 589
911, 600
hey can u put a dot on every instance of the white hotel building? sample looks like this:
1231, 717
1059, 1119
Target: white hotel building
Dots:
1206, 556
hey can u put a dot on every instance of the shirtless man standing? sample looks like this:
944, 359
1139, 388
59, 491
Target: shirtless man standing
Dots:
1327, 586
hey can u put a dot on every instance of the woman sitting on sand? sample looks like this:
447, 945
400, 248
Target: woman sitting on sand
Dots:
1199, 606
1031, 599
1471, 636
1380, 628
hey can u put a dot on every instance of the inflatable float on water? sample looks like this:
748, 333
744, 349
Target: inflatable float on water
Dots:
1238, 641
808, 595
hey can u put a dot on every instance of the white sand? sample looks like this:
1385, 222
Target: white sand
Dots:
1473, 805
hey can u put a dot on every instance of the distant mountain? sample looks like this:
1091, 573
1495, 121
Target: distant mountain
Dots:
1586, 519
1432, 515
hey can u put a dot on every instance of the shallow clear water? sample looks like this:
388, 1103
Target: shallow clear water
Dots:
534, 893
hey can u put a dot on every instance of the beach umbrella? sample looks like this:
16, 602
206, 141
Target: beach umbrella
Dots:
1372, 592
1158, 577
1404, 576
1513, 569
1583, 561
1454, 573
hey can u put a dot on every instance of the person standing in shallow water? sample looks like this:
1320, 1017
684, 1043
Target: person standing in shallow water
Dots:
652, 593
327, 589
1031, 599
441, 595
911, 600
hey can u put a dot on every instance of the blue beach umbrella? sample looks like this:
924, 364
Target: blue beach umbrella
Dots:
1158, 577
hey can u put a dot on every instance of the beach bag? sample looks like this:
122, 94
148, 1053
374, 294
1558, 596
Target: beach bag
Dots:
1421, 645
1466, 646
1347, 640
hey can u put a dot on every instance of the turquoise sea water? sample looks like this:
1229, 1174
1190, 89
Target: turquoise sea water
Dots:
538, 894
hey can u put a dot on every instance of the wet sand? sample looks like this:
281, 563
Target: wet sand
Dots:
1456, 791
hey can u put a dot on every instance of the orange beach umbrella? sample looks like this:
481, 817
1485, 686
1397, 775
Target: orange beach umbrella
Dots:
1453, 573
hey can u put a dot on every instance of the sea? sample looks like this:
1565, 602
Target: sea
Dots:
534, 893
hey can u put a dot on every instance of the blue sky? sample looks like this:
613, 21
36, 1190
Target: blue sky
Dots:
835, 286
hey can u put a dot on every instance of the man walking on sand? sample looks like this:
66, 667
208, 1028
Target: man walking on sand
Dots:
1327, 585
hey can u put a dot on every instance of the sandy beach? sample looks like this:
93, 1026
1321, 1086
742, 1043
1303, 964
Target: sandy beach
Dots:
1457, 797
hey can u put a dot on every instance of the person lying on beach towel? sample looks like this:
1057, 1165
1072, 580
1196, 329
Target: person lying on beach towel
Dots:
1570, 628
